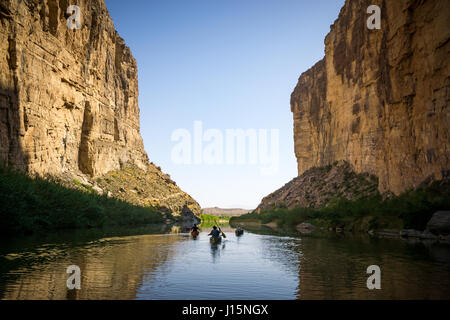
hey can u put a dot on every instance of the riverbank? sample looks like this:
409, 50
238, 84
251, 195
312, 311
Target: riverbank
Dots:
410, 210
208, 218
33, 204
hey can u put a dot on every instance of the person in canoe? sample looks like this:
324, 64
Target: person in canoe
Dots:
239, 231
214, 233
195, 231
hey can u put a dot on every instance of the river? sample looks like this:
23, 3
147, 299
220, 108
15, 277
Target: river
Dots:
152, 263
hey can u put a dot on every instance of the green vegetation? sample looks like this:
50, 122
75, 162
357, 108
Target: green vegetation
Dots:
410, 210
208, 221
208, 218
85, 186
30, 205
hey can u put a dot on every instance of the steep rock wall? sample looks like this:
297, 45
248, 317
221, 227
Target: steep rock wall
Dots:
379, 98
68, 98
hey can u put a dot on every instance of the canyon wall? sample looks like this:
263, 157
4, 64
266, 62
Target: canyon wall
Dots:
379, 98
69, 98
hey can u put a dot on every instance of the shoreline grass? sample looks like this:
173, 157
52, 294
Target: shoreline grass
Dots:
33, 204
209, 218
410, 210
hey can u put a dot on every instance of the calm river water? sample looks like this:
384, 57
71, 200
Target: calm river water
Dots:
148, 263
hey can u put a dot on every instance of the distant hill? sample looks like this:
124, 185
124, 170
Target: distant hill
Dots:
225, 212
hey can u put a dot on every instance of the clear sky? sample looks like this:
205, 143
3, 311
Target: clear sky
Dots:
231, 64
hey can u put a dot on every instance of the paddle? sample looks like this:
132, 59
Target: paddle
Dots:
223, 234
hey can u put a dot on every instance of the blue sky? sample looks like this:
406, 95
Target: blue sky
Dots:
231, 64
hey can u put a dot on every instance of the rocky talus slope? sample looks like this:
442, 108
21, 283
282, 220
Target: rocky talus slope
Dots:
147, 188
69, 98
318, 187
379, 98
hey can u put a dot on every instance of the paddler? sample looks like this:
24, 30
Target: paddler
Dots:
195, 229
214, 233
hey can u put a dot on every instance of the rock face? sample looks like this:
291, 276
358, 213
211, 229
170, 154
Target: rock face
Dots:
189, 217
68, 98
379, 98
440, 223
305, 227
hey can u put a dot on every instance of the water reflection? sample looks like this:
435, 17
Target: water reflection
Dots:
261, 264
111, 268
216, 249
335, 268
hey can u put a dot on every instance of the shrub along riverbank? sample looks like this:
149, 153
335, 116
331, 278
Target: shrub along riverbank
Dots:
208, 218
410, 210
30, 205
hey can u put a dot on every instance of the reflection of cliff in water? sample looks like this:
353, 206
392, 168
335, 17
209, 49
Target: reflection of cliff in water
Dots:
111, 268
333, 266
336, 269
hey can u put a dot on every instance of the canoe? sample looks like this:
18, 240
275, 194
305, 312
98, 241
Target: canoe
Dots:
214, 240
194, 234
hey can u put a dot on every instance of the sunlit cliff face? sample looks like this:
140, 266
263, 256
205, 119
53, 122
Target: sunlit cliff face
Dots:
70, 97
69, 100
379, 98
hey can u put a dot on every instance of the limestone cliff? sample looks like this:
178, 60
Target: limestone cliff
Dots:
379, 98
68, 98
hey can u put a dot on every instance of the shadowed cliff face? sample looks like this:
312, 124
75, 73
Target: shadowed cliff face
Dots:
69, 98
379, 98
